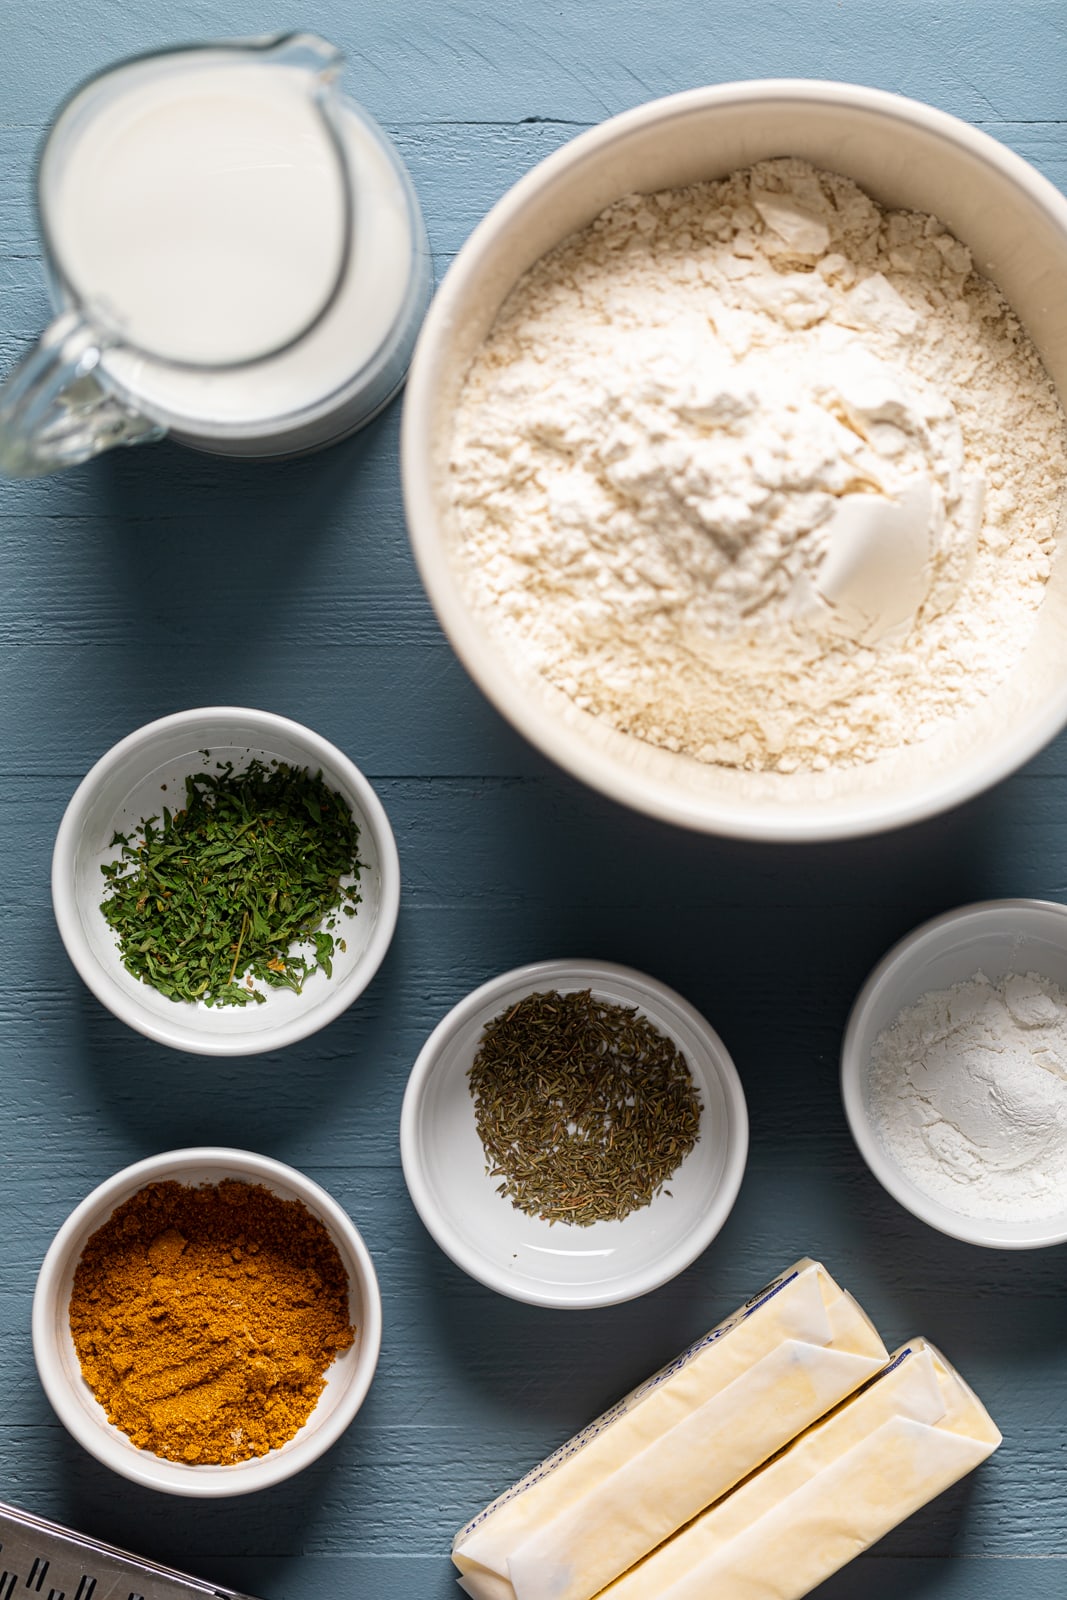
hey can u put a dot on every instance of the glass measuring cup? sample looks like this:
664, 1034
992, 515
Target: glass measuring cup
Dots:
236, 255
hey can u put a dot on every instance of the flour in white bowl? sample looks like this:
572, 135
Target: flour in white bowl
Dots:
967, 1092
760, 472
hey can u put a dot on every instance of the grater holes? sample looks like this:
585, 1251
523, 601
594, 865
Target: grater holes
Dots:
85, 1588
36, 1575
56, 1594
7, 1584
135, 1596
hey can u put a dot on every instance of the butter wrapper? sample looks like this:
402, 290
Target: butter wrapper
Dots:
673, 1445
914, 1430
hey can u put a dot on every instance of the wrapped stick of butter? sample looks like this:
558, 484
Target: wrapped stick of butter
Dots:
914, 1430
676, 1443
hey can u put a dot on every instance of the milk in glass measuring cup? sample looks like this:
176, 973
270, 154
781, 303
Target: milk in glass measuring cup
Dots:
236, 255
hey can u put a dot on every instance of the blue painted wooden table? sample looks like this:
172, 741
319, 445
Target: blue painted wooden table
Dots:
156, 580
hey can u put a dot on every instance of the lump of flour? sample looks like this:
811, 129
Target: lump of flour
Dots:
760, 472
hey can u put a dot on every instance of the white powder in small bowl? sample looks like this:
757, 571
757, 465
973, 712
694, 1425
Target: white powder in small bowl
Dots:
967, 1092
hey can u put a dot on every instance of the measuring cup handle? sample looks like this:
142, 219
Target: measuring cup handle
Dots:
54, 412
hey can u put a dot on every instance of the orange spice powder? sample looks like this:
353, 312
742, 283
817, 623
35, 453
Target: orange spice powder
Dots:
205, 1319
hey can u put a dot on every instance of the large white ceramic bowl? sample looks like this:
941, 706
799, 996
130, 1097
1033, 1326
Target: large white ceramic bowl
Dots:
998, 938
347, 1379
133, 781
906, 155
552, 1264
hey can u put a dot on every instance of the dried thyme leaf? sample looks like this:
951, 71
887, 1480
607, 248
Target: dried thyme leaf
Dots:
226, 890
584, 1108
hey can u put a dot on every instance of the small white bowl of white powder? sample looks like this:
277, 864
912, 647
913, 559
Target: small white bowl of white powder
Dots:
954, 1073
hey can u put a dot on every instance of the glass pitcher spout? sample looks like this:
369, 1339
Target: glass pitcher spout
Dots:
303, 52
318, 56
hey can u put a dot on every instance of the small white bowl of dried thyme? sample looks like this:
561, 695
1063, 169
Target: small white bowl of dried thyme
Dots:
225, 881
573, 1134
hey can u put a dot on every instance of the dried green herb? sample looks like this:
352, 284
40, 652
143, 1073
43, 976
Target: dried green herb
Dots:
228, 889
584, 1108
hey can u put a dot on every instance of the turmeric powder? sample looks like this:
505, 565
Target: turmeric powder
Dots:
205, 1319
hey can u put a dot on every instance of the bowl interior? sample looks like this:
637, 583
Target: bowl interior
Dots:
553, 1263
87, 1419
136, 785
997, 939
904, 155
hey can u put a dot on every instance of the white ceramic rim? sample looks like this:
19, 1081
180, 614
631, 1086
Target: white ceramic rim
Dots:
154, 1472
533, 720
674, 1261
957, 1226
176, 1037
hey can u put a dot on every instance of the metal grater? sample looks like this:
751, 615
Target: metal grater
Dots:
56, 1563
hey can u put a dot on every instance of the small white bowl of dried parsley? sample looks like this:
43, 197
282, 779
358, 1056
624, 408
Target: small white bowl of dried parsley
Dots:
225, 881
573, 1134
